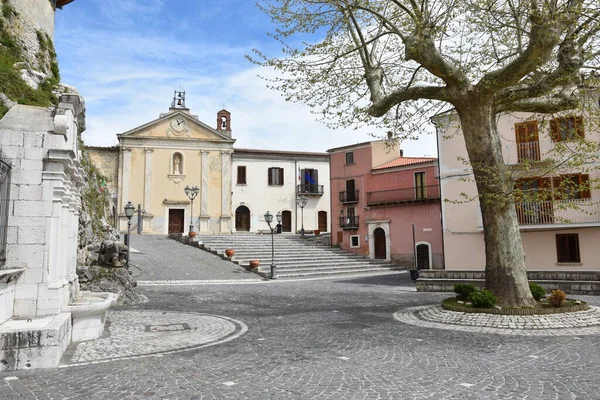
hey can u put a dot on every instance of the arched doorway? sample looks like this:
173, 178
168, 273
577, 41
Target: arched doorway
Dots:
242, 219
422, 256
286, 221
380, 245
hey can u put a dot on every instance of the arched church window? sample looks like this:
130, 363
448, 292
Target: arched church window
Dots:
177, 166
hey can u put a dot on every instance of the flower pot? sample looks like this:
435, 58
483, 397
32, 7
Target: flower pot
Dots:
316, 232
254, 263
192, 234
229, 252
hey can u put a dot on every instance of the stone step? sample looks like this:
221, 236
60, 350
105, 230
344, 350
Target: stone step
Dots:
323, 268
333, 272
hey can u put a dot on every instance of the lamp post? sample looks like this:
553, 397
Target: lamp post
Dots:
269, 219
302, 200
129, 209
191, 193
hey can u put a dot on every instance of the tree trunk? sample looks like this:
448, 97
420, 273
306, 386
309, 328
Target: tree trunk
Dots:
505, 270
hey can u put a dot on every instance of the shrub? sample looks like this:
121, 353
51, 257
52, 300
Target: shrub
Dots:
463, 290
482, 299
557, 298
537, 291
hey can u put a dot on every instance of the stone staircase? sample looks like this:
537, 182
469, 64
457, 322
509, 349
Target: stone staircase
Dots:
294, 257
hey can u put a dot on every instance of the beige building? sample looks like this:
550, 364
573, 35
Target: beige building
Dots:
560, 226
157, 160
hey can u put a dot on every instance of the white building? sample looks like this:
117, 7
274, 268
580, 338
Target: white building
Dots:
268, 180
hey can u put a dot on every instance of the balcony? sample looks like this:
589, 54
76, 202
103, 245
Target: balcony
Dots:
311, 189
528, 152
403, 195
349, 222
567, 213
349, 197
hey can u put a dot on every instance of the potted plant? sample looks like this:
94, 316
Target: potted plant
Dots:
254, 263
316, 232
229, 252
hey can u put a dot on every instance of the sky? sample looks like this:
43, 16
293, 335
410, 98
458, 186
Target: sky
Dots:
127, 57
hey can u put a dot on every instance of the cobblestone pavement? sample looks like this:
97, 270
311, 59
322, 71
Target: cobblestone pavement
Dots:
329, 339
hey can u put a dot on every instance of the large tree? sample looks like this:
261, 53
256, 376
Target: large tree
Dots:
390, 61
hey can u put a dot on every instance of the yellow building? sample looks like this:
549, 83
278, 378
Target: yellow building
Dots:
159, 159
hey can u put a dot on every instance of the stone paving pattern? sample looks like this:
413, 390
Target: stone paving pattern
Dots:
329, 339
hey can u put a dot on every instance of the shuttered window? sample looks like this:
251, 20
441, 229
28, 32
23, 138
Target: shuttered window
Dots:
566, 128
275, 176
567, 248
350, 158
241, 175
569, 187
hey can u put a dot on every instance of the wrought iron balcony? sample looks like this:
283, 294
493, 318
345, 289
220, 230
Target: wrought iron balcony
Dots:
311, 189
349, 222
349, 197
403, 195
576, 211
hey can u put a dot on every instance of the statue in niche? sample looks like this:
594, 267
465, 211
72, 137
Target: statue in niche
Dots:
176, 164
223, 122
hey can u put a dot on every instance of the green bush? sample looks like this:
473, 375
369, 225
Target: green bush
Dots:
537, 291
482, 299
463, 290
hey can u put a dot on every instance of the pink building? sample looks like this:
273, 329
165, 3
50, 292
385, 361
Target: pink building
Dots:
386, 205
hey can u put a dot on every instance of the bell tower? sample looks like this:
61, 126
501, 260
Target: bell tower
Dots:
224, 121
178, 102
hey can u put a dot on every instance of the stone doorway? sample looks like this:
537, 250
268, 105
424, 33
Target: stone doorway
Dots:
323, 221
286, 221
176, 217
423, 256
380, 244
242, 219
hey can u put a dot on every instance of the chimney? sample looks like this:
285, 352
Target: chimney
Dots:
401, 153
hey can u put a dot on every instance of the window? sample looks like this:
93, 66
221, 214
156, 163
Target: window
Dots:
567, 248
354, 241
275, 176
528, 145
566, 128
420, 189
241, 175
350, 158
571, 187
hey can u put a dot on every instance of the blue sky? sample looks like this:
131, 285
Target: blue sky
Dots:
126, 57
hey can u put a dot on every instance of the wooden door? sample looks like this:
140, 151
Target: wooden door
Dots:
323, 221
176, 221
422, 256
528, 142
286, 221
242, 219
350, 190
380, 245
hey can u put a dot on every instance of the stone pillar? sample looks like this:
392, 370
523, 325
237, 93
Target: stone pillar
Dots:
147, 217
125, 185
225, 191
204, 214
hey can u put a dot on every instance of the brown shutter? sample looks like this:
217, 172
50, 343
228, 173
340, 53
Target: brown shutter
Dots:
303, 176
316, 176
579, 128
585, 186
269, 174
554, 130
281, 176
557, 192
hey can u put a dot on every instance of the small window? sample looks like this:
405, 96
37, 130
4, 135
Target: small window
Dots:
355, 241
350, 158
566, 128
275, 176
420, 189
567, 248
241, 175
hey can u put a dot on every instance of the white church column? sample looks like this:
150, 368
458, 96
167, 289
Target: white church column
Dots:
147, 218
204, 214
225, 191
125, 186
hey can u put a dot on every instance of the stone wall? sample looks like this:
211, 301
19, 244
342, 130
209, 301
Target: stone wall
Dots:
106, 161
33, 16
570, 282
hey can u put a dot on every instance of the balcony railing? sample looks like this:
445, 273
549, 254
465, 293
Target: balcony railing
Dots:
403, 195
518, 153
578, 211
311, 189
349, 222
349, 197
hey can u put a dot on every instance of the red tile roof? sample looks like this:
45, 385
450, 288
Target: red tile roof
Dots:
402, 161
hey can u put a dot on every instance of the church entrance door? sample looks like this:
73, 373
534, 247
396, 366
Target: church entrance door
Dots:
286, 221
242, 219
176, 220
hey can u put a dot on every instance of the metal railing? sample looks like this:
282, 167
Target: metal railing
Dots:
349, 197
349, 222
309, 188
403, 195
559, 212
527, 152
4, 199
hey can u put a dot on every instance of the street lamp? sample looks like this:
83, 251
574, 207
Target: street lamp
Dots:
129, 209
302, 200
269, 219
191, 193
